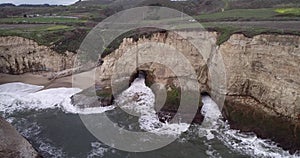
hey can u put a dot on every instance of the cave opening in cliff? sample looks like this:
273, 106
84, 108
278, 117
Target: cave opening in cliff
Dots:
205, 94
147, 75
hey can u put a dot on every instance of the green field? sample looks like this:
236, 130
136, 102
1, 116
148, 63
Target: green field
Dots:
41, 20
43, 35
258, 14
288, 11
60, 37
63, 33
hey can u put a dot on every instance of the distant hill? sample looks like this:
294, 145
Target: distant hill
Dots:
93, 2
254, 4
192, 7
188, 6
97, 10
7, 5
26, 5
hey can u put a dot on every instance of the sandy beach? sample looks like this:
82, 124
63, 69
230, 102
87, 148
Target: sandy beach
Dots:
37, 79
83, 80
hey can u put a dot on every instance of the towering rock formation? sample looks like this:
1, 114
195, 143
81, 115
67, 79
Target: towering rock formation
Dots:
262, 92
258, 77
20, 55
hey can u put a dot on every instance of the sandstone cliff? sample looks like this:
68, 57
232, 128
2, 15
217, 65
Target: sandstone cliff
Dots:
19, 55
161, 70
256, 78
260, 76
265, 67
263, 86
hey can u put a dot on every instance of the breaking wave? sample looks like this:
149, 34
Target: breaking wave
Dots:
20, 96
138, 100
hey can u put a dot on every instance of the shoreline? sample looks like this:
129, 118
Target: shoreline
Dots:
40, 79
265, 128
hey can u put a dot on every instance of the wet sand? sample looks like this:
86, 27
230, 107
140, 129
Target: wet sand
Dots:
37, 79
83, 80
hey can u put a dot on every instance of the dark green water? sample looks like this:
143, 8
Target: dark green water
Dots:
57, 134
41, 117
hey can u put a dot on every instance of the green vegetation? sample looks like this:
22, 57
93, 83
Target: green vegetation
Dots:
226, 31
41, 20
64, 27
225, 34
38, 34
288, 11
104, 93
61, 37
238, 14
251, 14
134, 34
255, 4
57, 27
173, 99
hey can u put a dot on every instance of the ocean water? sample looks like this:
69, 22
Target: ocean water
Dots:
53, 126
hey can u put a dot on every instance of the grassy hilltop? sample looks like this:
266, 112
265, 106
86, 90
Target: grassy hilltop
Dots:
64, 27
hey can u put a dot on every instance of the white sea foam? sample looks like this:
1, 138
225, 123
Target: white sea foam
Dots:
98, 150
31, 131
245, 143
20, 96
50, 150
19, 87
212, 114
250, 144
139, 100
211, 152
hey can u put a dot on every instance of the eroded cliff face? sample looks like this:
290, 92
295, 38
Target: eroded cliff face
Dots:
155, 56
263, 86
19, 55
265, 68
259, 77
172, 63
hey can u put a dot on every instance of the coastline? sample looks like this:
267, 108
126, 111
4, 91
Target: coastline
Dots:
37, 79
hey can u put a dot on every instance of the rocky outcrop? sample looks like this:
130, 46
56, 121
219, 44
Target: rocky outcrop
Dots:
12, 144
92, 97
263, 91
20, 55
265, 68
258, 77
160, 70
164, 68
261, 76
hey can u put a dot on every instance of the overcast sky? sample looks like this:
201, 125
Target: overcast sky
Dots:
17, 2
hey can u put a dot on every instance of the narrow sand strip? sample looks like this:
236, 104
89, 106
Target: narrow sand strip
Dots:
36, 79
